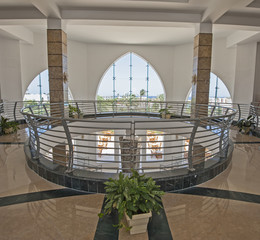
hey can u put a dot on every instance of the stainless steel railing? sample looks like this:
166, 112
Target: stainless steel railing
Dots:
112, 137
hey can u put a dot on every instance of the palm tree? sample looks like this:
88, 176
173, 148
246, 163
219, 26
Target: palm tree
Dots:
142, 93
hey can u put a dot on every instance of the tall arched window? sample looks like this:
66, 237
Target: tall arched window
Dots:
131, 77
38, 90
218, 92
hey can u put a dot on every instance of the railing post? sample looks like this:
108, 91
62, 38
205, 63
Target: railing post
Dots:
192, 137
182, 109
45, 109
222, 126
78, 110
212, 111
239, 111
69, 140
95, 109
34, 127
15, 105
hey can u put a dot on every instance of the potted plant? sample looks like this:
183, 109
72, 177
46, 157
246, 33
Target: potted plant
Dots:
246, 124
8, 127
134, 198
74, 112
165, 113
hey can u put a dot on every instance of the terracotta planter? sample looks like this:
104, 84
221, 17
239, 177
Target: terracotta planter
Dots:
138, 222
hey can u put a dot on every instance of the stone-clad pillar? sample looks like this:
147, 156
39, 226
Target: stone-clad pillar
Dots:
57, 65
201, 68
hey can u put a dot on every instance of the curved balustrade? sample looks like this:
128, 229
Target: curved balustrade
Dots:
11, 110
116, 137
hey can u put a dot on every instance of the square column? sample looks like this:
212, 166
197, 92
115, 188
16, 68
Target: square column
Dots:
57, 65
201, 70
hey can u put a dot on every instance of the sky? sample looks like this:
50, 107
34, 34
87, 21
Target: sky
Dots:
139, 76
122, 83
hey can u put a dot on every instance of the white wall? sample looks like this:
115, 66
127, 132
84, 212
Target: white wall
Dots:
10, 69
100, 57
182, 75
224, 63
87, 63
245, 73
34, 59
77, 70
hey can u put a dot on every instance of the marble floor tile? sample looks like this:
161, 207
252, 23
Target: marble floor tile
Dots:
206, 218
20, 136
70, 218
242, 174
236, 136
15, 176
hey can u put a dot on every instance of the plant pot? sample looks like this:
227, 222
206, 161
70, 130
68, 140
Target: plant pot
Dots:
8, 130
247, 130
166, 115
138, 222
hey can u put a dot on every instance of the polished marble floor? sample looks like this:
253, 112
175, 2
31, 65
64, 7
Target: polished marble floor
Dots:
226, 207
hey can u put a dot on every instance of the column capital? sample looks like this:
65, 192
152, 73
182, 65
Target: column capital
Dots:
203, 28
55, 23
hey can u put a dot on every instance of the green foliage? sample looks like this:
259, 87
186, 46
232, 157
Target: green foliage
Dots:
246, 124
161, 97
142, 93
73, 110
5, 124
132, 195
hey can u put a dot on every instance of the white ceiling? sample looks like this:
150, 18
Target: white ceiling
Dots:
167, 22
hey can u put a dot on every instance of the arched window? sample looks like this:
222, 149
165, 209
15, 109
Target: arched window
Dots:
131, 77
38, 90
218, 92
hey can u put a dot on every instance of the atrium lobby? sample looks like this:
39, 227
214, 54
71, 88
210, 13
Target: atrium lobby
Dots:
77, 44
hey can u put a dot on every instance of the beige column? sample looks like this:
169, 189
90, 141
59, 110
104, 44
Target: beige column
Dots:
201, 69
57, 65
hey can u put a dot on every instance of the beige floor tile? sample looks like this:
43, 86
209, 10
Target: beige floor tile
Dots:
70, 218
205, 218
15, 176
243, 173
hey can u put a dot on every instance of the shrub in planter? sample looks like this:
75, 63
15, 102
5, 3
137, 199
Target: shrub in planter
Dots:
74, 112
165, 113
8, 127
136, 197
246, 125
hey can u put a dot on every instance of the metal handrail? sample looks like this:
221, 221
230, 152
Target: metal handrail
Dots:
73, 140
120, 143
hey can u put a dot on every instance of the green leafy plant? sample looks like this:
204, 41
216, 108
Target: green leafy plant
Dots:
73, 110
8, 126
246, 124
131, 195
164, 112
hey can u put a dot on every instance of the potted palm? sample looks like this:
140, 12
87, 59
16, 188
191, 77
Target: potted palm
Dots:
8, 127
134, 198
246, 125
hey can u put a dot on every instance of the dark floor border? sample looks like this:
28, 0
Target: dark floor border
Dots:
37, 196
10, 143
220, 193
68, 192
158, 227
105, 229
246, 142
